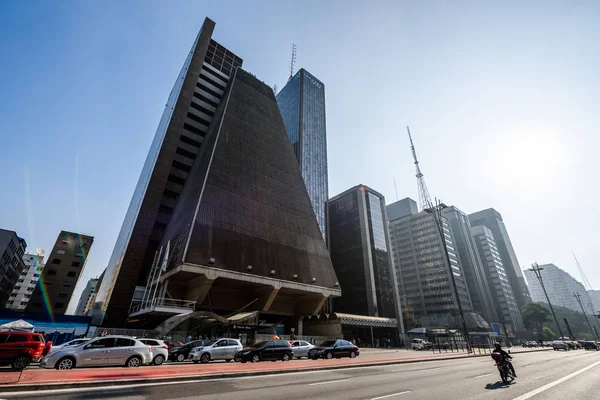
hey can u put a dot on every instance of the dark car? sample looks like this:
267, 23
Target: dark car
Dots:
171, 344
21, 348
181, 353
334, 348
267, 350
590, 346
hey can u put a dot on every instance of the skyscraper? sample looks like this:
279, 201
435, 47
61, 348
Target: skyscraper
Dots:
359, 248
21, 294
471, 263
497, 279
59, 277
12, 249
237, 231
492, 219
88, 292
302, 106
425, 285
560, 286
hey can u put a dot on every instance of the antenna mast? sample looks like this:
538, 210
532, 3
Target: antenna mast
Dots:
584, 278
293, 62
424, 198
396, 188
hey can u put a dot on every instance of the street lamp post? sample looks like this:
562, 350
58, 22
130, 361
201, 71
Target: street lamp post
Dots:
537, 270
578, 298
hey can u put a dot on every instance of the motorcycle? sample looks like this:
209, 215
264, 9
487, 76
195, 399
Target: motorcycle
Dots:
505, 373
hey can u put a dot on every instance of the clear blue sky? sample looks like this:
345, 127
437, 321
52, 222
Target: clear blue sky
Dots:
502, 100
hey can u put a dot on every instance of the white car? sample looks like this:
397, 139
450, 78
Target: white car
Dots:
420, 344
100, 352
73, 342
300, 348
218, 349
160, 350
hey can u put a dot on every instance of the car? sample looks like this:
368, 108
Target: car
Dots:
100, 352
590, 346
73, 342
182, 352
560, 345
267, 350
160, 350
19, 349
173, 343
530, 343
300, 348
333, 348
420, 344
218, 349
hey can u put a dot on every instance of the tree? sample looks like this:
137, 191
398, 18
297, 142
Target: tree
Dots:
547, 333
534, 315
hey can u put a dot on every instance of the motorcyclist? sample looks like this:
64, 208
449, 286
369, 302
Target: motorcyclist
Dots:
505, 356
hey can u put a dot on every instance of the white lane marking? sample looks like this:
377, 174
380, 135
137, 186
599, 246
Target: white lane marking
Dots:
325, 383
481, 376
390, 395
556, 382
527, 366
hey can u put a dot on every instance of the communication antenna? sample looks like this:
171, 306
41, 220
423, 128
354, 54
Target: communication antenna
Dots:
424, 198
584, 278
293, 62
40, 252
396, 188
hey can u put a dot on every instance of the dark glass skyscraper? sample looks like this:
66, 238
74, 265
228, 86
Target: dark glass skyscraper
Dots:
302, 106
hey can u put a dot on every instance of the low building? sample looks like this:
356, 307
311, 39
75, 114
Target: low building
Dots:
88, 292
23, 290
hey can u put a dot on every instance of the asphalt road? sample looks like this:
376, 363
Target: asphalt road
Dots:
544, 375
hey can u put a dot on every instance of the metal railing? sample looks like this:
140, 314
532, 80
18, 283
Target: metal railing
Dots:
164, 302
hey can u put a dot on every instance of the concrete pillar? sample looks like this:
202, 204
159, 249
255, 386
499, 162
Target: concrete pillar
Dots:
199, 289
266, 299
299, 330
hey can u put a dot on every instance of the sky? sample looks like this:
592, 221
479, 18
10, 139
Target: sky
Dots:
502, 101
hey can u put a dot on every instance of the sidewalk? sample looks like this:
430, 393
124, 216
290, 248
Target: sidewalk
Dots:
35, 378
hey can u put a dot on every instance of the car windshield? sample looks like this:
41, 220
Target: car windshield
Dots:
259, 344
210, 343
328, 343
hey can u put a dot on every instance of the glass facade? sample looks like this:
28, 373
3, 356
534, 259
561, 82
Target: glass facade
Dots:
302, 106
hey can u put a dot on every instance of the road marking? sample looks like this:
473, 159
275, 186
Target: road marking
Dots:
481, 376
530, 365
325, 383
556, 382
390, 395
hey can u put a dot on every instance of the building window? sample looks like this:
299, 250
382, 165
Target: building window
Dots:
75, 264
56, 261
62, 295
51, 272
23, 303
67, 284
71, 273
59, 305
60, 252
17, 287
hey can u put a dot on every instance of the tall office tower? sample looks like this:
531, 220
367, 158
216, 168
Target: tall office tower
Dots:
12, 248
61, 273
497, 278
302, 106
466, 248
19, 298
560, 287
359, 246
88, 292
492, 219
425, 285
178, 140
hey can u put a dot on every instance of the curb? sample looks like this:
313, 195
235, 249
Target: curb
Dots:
118, 382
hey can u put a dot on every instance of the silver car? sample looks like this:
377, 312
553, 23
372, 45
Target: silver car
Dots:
219, 349
160, 350
73, 342
100, 352
300, 348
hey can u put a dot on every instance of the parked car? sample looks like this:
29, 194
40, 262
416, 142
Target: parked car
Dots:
19, 349
160, 350
100, 352
182, 353
591, 346
300, 348
420, 344
272, 350
173, 343
219, 349
530, 343
73, 342
560, 345
334, 348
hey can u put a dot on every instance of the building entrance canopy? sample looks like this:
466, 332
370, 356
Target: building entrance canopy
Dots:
354, 320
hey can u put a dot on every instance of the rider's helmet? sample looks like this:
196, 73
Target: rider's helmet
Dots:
497, 346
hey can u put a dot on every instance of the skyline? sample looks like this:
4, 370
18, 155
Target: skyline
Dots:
104, 103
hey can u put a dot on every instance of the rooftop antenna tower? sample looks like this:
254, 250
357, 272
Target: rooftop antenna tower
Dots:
396, 188
424, 198
586, 282
293, 62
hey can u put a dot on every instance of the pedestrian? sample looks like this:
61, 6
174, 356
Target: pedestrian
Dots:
189, 339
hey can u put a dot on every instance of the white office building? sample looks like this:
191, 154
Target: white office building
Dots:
23, 289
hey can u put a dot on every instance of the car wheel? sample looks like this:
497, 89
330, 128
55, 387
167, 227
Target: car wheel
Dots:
133, 362
352, 354
228, 360
243, 361
180, 358
329, 356
159, 359
21, 362
286, 357
255, 358
205, 358
298, 358
65, 363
